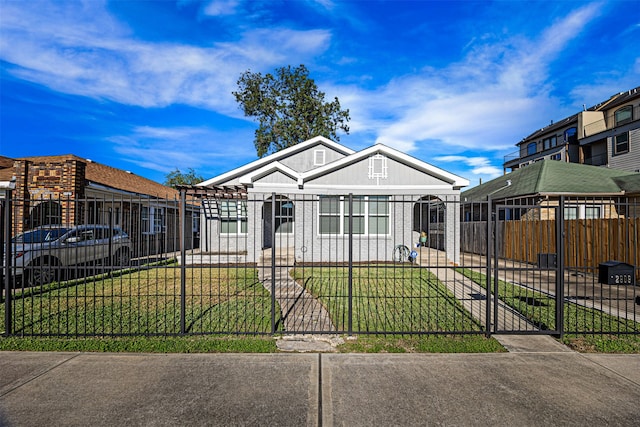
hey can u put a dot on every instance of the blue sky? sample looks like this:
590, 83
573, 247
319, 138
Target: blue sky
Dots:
146, 86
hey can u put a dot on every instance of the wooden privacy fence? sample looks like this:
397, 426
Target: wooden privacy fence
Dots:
588, 242
598, 240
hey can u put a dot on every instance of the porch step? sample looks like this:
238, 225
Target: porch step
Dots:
283, 256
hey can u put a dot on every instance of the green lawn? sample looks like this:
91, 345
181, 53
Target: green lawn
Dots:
401, 299
586, 329
147, 301
387, 299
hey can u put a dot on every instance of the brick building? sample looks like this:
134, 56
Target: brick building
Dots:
70, 190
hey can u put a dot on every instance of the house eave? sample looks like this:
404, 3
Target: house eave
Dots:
451, 179
378, 189
256, 164
251, 178
278, 186
104, 189
558, 194
8, 185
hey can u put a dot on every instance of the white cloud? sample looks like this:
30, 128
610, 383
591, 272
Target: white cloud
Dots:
487, 101
326, 4
221, 7
84, 51
478, 165
497, 94
165, 149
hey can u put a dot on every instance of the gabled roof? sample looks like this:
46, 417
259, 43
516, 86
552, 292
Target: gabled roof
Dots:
550, 177
614, 101
257, 164
110, 177
268, 169
6, 168
552, 127
6, 162
6, 174
620, 98
127, 181
249, 174
629, 183
448, 177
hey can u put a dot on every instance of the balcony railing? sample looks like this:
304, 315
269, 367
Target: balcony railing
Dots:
511, 157
598, 160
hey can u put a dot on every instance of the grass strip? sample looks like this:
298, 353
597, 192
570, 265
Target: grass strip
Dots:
592, 330
143, 344
422, 344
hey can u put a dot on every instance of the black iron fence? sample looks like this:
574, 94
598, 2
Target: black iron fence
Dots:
243, 263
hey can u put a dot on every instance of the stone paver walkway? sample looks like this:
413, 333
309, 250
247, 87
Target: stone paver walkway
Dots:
301, 311
472, 296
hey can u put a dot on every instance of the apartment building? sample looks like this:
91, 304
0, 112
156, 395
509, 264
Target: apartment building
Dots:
607, 134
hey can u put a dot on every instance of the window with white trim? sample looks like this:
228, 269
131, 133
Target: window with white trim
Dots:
195, 221
329, 215
592, 212
570, 212
370, 215
621, 143
582, 212
623, 115
358, 215
233, 217
152, 220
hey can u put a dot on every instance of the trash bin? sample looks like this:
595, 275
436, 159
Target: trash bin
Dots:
547, 260
616, 273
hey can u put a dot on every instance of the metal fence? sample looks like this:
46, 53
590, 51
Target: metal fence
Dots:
213, 263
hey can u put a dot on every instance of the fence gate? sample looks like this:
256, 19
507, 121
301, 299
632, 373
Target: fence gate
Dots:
526, 269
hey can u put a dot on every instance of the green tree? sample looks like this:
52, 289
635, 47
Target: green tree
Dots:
176, 178
289, 108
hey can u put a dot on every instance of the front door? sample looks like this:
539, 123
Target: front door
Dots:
278, 220
267, 226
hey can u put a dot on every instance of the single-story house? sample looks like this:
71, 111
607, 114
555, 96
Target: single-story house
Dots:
68, 189
299, 198
592, 192
601, 214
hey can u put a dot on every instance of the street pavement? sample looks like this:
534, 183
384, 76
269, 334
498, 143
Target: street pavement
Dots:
537, 383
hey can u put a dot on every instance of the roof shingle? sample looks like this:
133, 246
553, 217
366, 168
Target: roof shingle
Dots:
550, 177
100, 174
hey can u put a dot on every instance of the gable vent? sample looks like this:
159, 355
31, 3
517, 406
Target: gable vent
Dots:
378, 167
319, 157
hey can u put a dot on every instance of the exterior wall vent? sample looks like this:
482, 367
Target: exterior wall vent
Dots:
319, 157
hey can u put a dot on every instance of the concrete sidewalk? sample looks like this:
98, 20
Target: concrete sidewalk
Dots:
294, 389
